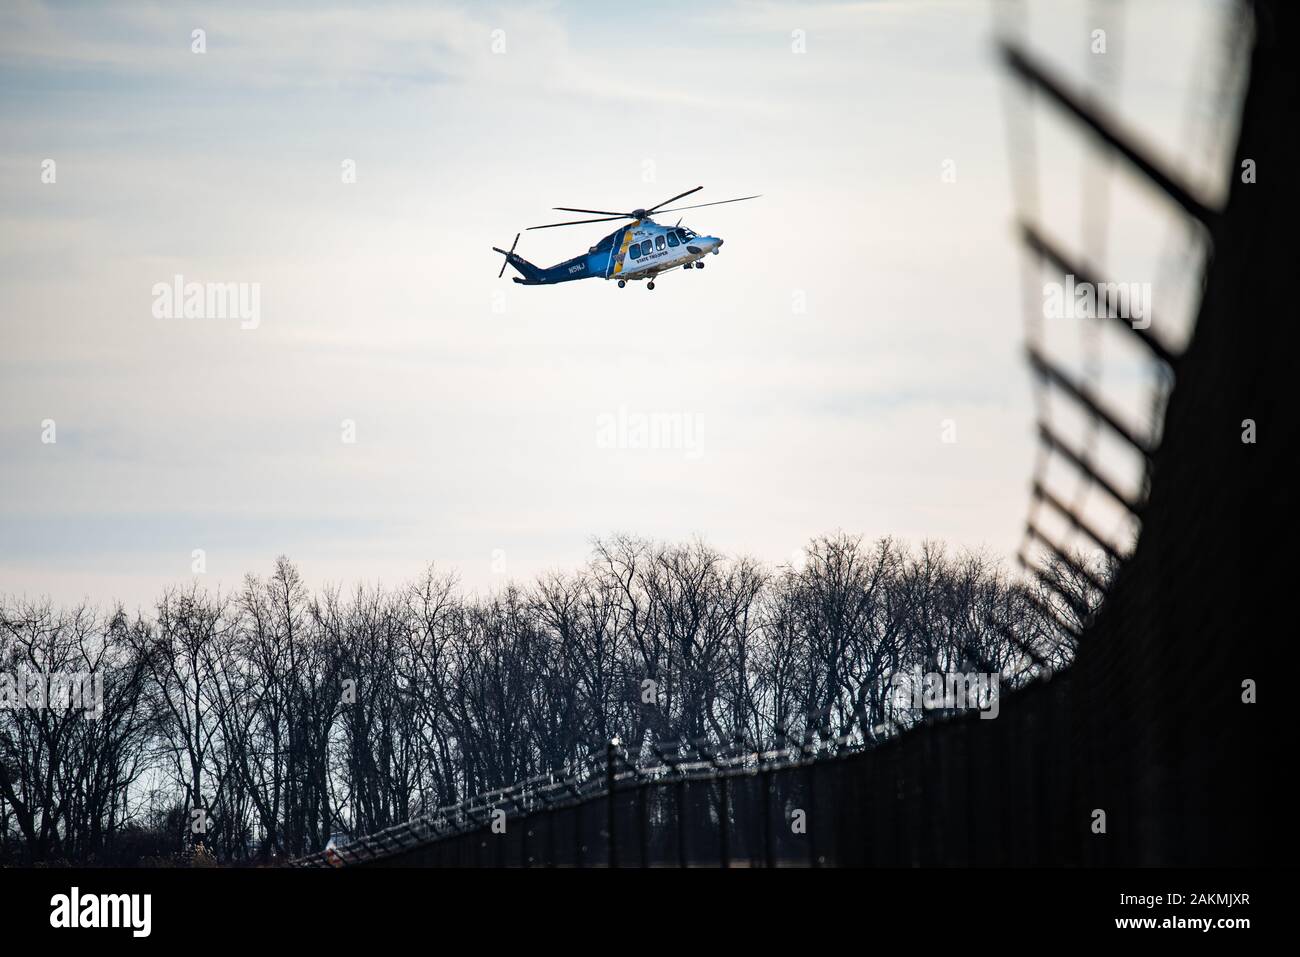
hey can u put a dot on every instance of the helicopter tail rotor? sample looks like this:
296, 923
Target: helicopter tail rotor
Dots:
531, 274
505, 262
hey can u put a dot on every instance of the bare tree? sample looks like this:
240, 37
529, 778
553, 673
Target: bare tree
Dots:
274, 717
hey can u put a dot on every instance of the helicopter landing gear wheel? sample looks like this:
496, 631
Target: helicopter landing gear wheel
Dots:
622, 283
700, 264
688, 265
650, 284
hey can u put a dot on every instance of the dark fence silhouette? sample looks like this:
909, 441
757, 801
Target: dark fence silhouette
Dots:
1151, 727
824, 803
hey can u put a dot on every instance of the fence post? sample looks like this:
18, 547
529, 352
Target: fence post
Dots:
810, 773
724, 820
681, 819
644, 814
577, 833
610, 776
765, 776
553, 848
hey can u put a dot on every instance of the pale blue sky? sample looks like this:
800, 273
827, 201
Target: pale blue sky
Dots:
476, 416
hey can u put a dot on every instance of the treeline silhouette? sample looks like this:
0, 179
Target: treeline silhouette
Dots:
258, 724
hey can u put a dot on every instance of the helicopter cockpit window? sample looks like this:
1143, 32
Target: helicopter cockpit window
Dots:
659, 242
672, 239
684, 235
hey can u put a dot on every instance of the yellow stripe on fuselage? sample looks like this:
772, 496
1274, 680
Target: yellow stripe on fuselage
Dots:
622, 252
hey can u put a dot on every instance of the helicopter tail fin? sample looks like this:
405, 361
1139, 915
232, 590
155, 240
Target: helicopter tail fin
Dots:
530, 272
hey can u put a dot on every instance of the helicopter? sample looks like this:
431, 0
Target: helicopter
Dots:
643, 249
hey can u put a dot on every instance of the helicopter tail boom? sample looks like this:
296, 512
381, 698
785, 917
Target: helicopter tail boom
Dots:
579, 267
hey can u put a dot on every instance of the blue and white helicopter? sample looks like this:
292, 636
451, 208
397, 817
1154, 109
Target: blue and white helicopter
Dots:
640, 250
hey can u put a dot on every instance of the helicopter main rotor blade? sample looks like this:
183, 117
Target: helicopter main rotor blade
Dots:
579, 222
718, 203
674, 199
598, 212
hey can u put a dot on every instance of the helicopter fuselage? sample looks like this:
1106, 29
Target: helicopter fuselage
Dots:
640, 250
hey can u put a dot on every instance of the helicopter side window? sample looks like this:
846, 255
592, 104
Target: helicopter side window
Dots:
672, 239
634, 250
646, 246
659, 242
